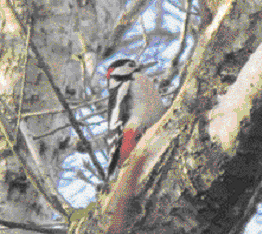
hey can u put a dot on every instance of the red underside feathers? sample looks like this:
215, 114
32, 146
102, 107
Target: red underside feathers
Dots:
128, 144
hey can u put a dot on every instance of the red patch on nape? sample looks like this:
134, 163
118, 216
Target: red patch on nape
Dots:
111, 69
128, 144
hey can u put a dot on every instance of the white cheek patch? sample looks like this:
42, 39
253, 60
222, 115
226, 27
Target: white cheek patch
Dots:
113, 83
123, 71
122, 92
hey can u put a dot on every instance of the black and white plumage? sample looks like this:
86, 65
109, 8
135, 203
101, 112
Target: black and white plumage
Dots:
134, 105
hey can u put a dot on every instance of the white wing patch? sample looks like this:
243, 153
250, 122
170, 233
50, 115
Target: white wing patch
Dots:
122, 92
111, 140
113, 83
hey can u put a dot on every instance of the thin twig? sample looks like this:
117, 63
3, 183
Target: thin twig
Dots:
55, 111
175, 61
69, 124
184, 10
82, 176
52, 132
87, 48
23, 79
46, 69
85, 124
92, 138
127, 19
90, 103
61, 128
145, 38
104, 154
75, 101
33, 227
87, 165
92, 114
34, 179
79, 120
182, 40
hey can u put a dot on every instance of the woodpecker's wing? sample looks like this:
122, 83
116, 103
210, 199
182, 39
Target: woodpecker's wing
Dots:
134, 105
118, 114
120, 75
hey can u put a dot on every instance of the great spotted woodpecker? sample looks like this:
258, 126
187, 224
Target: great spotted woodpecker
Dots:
134, 105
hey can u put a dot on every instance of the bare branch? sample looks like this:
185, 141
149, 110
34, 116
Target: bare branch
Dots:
52, 132
145, 38
23, 79
46, 69
69, 124
55, 111
92, 114
175, 61
88, 167
82, 176
84, 124
71, 116
184, 10
80, 120
34, 227
38, 172
129, 16
35, 180
150, 35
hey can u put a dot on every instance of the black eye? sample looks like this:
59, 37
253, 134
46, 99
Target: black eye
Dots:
131, 64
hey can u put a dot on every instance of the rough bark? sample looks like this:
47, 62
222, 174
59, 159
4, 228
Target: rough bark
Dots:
197, 169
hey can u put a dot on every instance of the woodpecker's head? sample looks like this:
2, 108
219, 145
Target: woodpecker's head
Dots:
133, 106
122, 70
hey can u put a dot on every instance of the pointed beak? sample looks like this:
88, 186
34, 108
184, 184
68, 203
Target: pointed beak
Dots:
144, 66
147, 65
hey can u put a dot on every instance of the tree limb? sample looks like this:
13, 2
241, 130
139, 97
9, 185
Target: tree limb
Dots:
184, 10
80, 122
129, 16
23, 79
33, 227
182, 45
